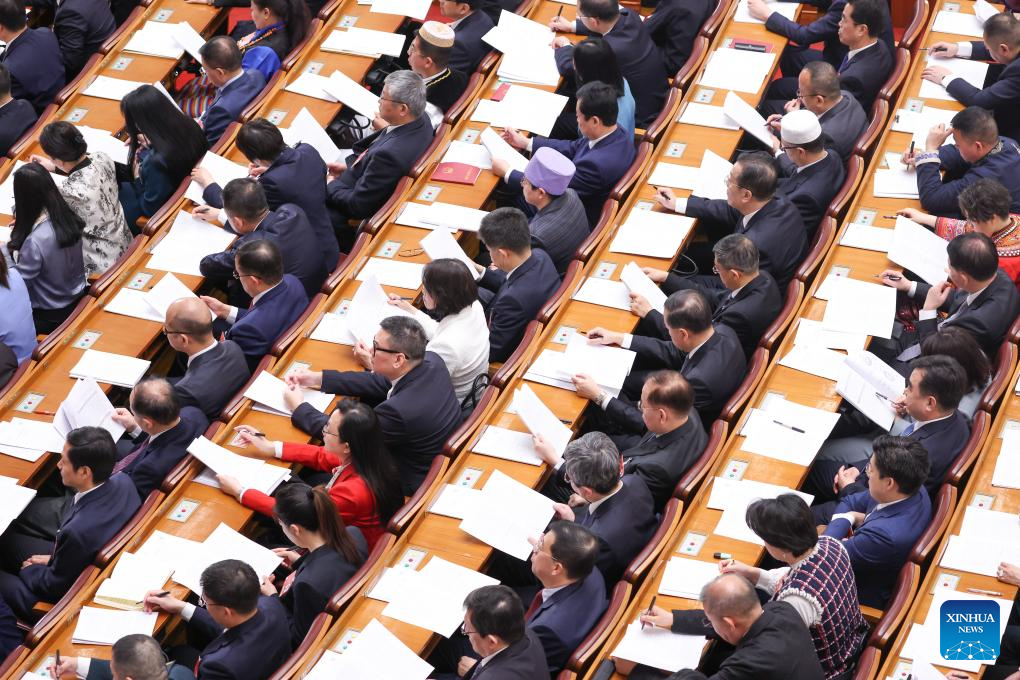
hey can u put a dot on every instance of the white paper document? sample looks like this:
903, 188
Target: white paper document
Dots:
535, 66
508, 532
454, 501
23, 449
251, 472
365, 42
896, 181
222, 170
527, 54
860, 307
499, 442
920, 250
674, 175
436, 603
638, 283
369, 306
132, 578
712, 176
660, 648
605, 293
685, 577
1007, 468
101, 140
726, 492
86, 404
376, 653
439, 215
990, 525
168, 291
872, 386
224, 543
788, 431
540, 420
268, 391
500, 149
187, 242
819, 361
311, 85
351, 93
115, 369
528, 108
468, 153
156, 38
97, 626
706, 115
867, 237
974, 72
738, 70
654, 234
958, 23
392, 582
747, 117
786, 9
31, 434
393, 273
812, 333
15, 499
105, 87
440, 243
304, 128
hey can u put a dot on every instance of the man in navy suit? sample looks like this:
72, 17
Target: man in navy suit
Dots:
16, 115
248, 632
365, 181
751, 208
248, 215
639, 59
235, 86
494, 626
521, 282
409, 388
469, 24
674, 26
601, 155
930, 400
81, 27
879, 526
133, 657
216, 371
277, 300
979, 151
1001, 44
619, 509
161, 431
287, 175
809, 174
32, 55
40, 569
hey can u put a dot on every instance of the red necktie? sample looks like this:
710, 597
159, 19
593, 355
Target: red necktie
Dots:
126, 460
535, 604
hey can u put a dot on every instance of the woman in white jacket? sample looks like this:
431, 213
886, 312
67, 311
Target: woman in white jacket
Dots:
454, 322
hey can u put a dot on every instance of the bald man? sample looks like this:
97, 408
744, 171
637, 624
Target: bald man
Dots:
767, 642
216, 371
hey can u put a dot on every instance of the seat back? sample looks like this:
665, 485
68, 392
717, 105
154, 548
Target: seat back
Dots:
591, 243
100, 285
130, 23
571, 277
488, 62
88, 72
683, 78
583, 656
255, 105
61, 334
715, 19
453, 113
1002, 369
292, 333
299, 49
791, 303
865, 144
347, 591
439, 141
109, 551
626, 182
891, 88
19, 146
150, 225
691, 480
643, 561
12, 661
868, 664
37, 633
755, 371
234, 404
907, 583
407, 512
915, 26
816, 253
1014, 331
841, 201
460, 436
372, 225
346, 262
942, 512
658, 126
18, 374
501, 377
961, 465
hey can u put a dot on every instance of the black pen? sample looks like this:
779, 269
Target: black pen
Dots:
559, 13
163, 594
246, 430
882, 396
791, 427
888, 277
649, 612
58, 663
911, 152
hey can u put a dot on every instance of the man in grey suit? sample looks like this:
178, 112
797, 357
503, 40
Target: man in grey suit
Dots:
560, 225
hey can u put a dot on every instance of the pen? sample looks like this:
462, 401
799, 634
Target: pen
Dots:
882, 396
649, 612
722, 556
890, 217
911, 148
44, 413
980, 591
254, 433
795, 429
58, 661
560, 12
163, 594
889, 277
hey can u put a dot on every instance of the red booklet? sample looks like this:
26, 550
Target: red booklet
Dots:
458, 173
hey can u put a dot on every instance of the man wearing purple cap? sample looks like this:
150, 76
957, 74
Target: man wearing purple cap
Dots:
560, 224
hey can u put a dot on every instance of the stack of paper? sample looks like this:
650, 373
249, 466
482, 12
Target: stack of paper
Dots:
392, 272
738, 70
468, 154
222, 544
438, 215
920, 250
1007, 464
605, 293
101, 140
872, 386
638, 283
814, 360
131, 579
859, 307
106, 87
867, 237
787, 431
712, 176
86, 404
115, 369
17, 499
958, 23
974, 72
660, 648
454, 501
376, 653
500, 442
222, 171
31, 434
311, 85
528, 108
786, 9
412, 9
97, 626
268, 391
813, 334
156, 38
154, 303
251, 472
987, 538
436, 602
608, 366
540, 420
499, 148
527, 54
898, 181
351, 93
187, 242
747, 117
440, 244
365, 42
706, 115
369, 306
21, 448
918, 123
673, 175
489, 521
685, 577
985, 10
392, 581
304, 128
650, 233
733, 497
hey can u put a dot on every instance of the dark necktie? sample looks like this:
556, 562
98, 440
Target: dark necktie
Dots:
842, 64
128, 459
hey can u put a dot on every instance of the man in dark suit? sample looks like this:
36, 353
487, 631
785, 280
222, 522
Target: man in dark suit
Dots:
751, 208
671, 434
287, 175
409, 389
620, 512
248, 633
133, 657
930, 400
638, 57
235, 86
81, 27
1001, 45
573, 594
216, 371
710, 357
809, 174
40, 569
978, 297
559, 225
494, 625
979, 152
742, 297
248, 215
363, 183
674, 26
601, 155
521, 281
879, 526
428, 55
277, 300
32, 55
16, 115
469, 24
161, 431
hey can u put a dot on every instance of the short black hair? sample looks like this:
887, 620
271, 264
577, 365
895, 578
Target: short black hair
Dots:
784, 522
758, 174
231, 583
440, 56
220, 52
824, 78
902, 458
5, 81
976, 125
974, 254
260, 140
156, 398
944, 379
736, 251
985, 199
688, 310
92, 447
245, 198
496, 610
596, 98
406, 336
63, 141
1002, 28
139, 657
575, 547
261, 258
450, 284
604, 10
671, 390
506, 228
872, 13
12, 15
960, 344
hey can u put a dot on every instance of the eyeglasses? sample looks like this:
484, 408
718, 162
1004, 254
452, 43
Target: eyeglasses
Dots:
238, 275
732, 182
167, 331
326, 431
801, 95
395, 101
377, 348
464, 630
202, 602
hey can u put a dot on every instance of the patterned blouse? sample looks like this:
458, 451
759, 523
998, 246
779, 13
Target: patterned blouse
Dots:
1007, 241
92, 192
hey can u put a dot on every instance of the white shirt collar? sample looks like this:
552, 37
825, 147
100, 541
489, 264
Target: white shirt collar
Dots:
78, 496
548, 592
429, 79
486, 659
232, 79
260, 295
973, 296
918, 424
886, 505
691, 353
202, 351
804, 167
455, 24
747, 218
594, 505
852, 53
593, 142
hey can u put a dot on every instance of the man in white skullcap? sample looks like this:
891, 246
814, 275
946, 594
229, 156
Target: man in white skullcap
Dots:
429, 56
810, 174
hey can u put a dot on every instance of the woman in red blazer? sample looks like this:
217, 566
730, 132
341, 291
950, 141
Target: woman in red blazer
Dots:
365, 485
